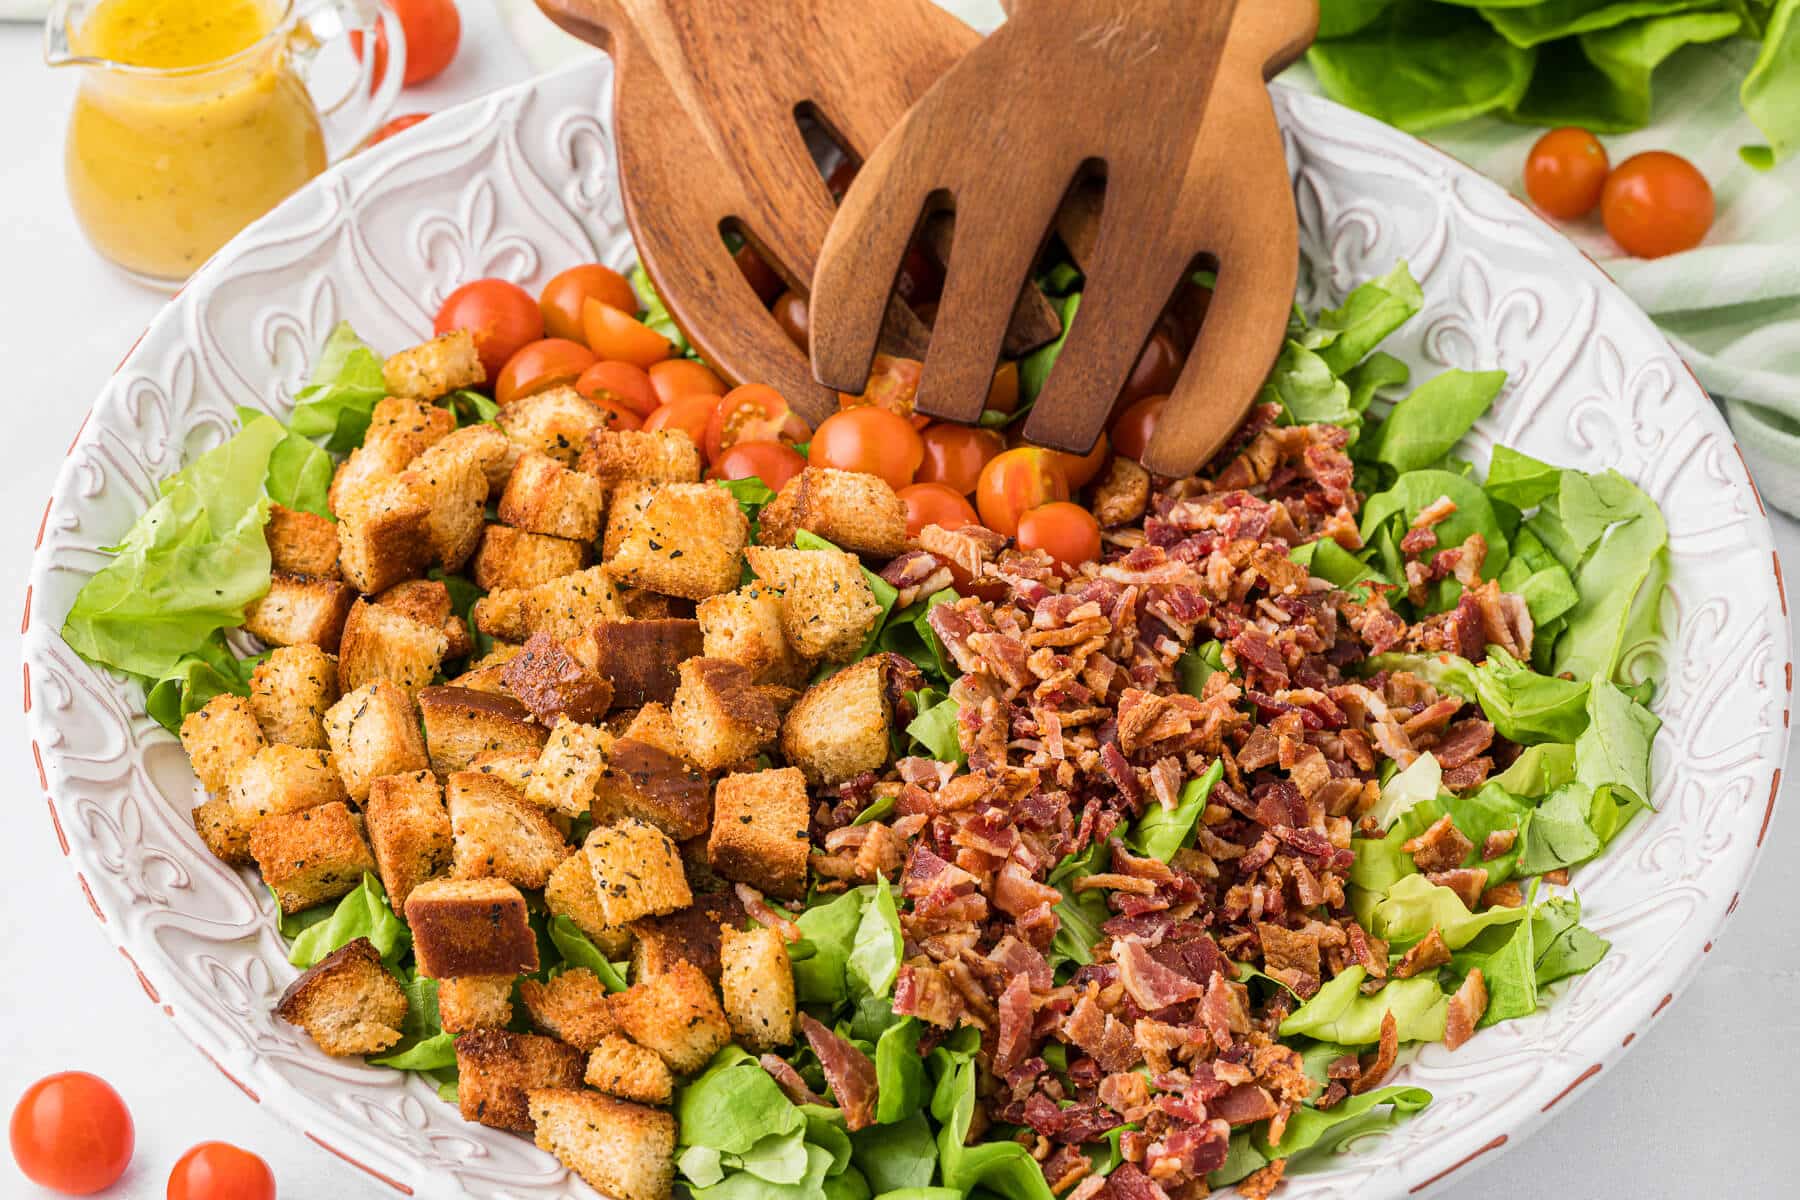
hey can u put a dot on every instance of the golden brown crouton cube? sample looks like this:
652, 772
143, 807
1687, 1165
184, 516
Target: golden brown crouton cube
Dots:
461, 723
544, 496
676, 1014
619, 1149
626, 504
409, 831
620, 1067
484, 446
840, 727
374, 731
414, 421
454, 491
283, 779
301, 543
496, 1069
311, 856
1122, 494
224, 832
488, 674
498, 833
468, 1002
744, 627
653, 726
757, 986
384, 643
615, 456
348, 1003
220, 738
563, 608
689, 934
572, 762
572, 1007
384, 536
828, 610
556, 422
428, 602
435, 368
290, 691
637, 872
686, 540
760, 831
377, 461
570, 893
467, 927
849, 509
644, 780
299, 610
721, 715
511, 558
512, 767
642, 658
553, 683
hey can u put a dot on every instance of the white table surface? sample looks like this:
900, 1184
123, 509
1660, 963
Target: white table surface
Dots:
1700, 1107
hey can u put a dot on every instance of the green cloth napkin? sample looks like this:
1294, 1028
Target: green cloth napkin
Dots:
1731, 306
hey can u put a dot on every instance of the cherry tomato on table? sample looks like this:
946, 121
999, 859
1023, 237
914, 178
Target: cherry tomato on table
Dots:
869, 439
752, 413
433, 31
1066, 532
955, 454
1566, 172
502, 316
564, 296
771, 462
935, 504
72, 1133
220, 1171
1016, 482
1133, 428
616, 335
396, 126
622, 384
541, 366
690, 414
675, 377
1655, 204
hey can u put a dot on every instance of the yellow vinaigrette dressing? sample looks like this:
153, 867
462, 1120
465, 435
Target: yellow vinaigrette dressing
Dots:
194, 125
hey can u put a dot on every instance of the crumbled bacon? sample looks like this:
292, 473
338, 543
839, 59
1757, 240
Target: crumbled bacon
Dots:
1439, 848
1428, 953
848, 1071
1466, 1009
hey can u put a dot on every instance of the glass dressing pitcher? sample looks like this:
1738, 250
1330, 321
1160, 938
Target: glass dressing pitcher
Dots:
195, 117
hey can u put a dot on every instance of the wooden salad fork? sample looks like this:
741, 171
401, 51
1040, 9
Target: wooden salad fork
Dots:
707, 96
1166, 98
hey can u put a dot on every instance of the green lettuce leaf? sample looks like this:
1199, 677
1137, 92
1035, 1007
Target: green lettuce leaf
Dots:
1344, 336
734, 1105
1548, 20
822, 954
340, 397
212, 670
751, 494
1413, 492
1520, 480
423, 1045
1079, 914
1414, 906
1771, 91
1565, 947
898, 1158
578, 951
364, 912
1524, 706
1198, 665
1559, 834
1307, 392
1614, 749
1422, 65
1006, 1168
656, 314
1374, 374
1418, 783
1339, 1012
1620, 542
1539, 771
1308, 1127
299, 472
908, 633
899, 1073
1160, 832
1425, 426
935, 727
1034, 368
875, 950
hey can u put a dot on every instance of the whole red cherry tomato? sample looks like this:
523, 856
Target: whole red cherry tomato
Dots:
771, 462
1657, 203
72, 1133
1566, 172
1132, 431
870, 439
503, 317
1016, 482
220, 1171
935, 504
1066, 532
955, 454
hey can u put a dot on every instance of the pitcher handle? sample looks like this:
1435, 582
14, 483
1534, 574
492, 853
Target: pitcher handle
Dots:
352, 118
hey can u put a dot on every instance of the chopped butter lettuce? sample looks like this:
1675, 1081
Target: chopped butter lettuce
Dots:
1414, 906
1339, 1012
364, 912
935, 725
1418, 783
341, 394
1160, 832
1425, 426
875, 950
1524, 706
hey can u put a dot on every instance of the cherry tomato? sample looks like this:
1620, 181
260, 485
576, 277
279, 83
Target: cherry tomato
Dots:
689, 414
617, 336
758, 273
220, 1171
1066, 532
541, 366
1566, 171
1133, 429
502, 316
893, 385
771, 462
433, 31
622, 384
1016, 482
1003, 393
1657, 203
395, 126
564, 297
72, 1133
869, 439
1080, 469
955, 454
1156, 370
752, 413
935, 504
791, 313
683, 377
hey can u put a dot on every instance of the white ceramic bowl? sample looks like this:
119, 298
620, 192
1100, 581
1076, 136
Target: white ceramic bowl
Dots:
521, 184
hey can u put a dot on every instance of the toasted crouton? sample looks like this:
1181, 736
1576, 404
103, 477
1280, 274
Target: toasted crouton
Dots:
653, 726
384, 536
760, 831
544, 496
553, 683
465, 927
467, 1002
721, 715
620, 1067
407, 418
454, 489
384, 643
563, 608
644, 779
484, 446
687, 539
827, 609
689, 934
840, 727
224, 832
1122, 494
301, 543
572, 762
461, 723
642, 605
852, 510
377, 461
299, 610
511, 558
637, 872
311, 856
374, 731
570, 893
642, 658
676, 1014
615, 456
488, 674
435, 368
220, 738
619, 1149
512, 767
409, 831
556, 422
290, 691
572, 1007
744, 627
283, 779
428, 602
496, 1069
757, 986
348, 1003
498, 833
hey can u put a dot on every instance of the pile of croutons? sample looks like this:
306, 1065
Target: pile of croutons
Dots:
649, 691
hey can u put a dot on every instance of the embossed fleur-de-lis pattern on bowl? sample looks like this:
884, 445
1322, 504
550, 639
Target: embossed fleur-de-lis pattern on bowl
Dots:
520, 185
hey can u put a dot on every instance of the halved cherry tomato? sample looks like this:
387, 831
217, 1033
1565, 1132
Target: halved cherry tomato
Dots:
1003, 393
689, 414
1016, 482
395, 126
1066, 532
617, 336
1080, 469
792, 314
541, 366
72, 1133
621, 383
869, 439
221, 1171
935, 504
893, 385
771, 462
502, 316
565, 296
1133, 429
1566, 172
752, 413
683, 377
758, 273
955, 454
1657, 203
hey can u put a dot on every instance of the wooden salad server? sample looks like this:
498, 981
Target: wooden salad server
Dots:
707, 96
1166, 98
